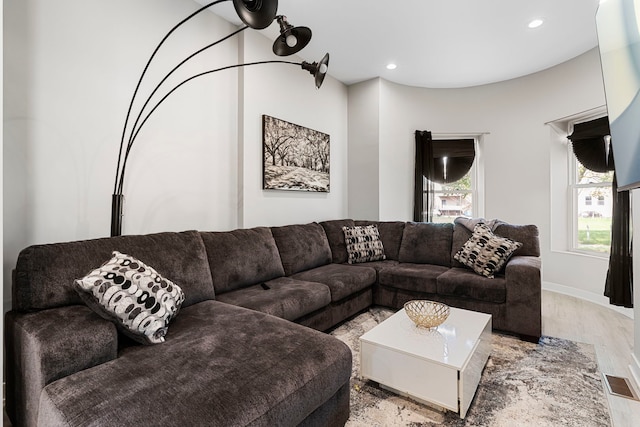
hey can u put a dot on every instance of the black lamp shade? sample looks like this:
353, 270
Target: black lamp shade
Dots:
319, 70
302, 37
257, 14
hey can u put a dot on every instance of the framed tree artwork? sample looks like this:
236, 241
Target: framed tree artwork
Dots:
294, 157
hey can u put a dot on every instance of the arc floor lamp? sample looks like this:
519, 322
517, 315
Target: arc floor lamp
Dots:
256, 14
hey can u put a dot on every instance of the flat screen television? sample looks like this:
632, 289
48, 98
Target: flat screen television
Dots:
618, 27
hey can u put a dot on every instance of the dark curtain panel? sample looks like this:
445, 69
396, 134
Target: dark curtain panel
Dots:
593, 151
619, 285
423, 150
441, 162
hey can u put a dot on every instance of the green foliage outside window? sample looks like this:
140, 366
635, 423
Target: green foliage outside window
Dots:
588, 176
463, 184
594, 228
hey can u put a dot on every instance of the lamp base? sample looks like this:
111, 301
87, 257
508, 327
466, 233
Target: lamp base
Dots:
116, 214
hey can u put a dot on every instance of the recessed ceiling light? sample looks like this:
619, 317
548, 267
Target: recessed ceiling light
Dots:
391, 66
535, 23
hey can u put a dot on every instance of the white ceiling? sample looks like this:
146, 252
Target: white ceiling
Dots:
438, 43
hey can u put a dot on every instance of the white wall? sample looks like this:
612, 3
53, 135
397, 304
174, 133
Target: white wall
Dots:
70, 69
517, 151
287, 92
364, 156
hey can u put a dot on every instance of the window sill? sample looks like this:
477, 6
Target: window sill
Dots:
592, 255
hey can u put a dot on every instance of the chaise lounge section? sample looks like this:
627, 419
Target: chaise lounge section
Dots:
246, 347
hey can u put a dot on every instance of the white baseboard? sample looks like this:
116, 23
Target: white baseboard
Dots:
587, 296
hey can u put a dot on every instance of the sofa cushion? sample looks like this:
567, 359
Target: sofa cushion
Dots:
282, 297
525, 234
242, 258
44, 274
335, 236
390, 234
44, 345
485, 253
427, 243
412, 277
363, 244
464, 283
220, 365
343, 280
460, 236
378, 265
134, 296
302, 247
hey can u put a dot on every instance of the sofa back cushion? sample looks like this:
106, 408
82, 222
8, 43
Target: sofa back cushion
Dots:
335, 236
525, 234
427, 243
528, 235
302, 247
242, 258
390, 234
45, 274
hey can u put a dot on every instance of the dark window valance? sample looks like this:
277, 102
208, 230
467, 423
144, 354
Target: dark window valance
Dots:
448, 161
590, 146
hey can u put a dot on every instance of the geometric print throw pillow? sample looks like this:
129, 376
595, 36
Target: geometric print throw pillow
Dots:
363, 244
132, 295
485, 252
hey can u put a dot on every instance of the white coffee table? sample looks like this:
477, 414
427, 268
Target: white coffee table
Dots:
440, 367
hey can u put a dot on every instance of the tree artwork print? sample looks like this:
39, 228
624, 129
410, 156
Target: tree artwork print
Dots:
294, 157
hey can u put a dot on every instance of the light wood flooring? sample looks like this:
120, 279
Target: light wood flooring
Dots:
610, 332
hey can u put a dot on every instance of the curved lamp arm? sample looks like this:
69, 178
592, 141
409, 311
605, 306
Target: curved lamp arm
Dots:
133, 128
255, 14
144, 71
318, 70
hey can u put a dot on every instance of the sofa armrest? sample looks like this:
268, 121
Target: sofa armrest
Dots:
47, 345
524, 295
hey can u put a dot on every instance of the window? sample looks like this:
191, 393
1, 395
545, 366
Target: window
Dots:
450, 200
454, 199
448, 179
592, 201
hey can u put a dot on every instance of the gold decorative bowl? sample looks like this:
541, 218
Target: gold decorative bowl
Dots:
426, 314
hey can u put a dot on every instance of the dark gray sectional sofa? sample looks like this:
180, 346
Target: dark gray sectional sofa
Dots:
246, 346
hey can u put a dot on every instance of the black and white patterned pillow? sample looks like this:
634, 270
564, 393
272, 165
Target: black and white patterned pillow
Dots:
485, 252
363, 244
133, 295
